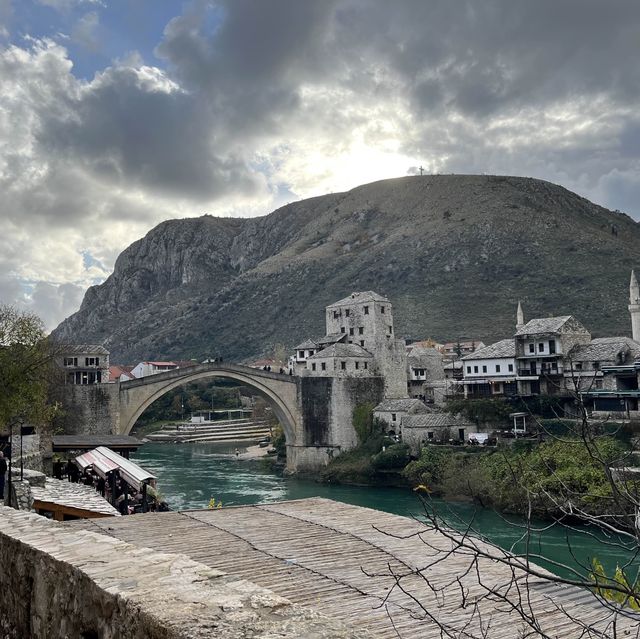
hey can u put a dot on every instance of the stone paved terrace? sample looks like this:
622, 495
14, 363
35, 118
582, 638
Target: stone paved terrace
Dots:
316, 552
63, 583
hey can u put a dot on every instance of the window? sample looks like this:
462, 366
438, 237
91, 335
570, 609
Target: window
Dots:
343, 366
336, 314
596, 366
511, 368
357, 365
429, 434
390, 330
475, 369
366, 365
484, 369
313, 366
70, 361
362, 343
552, 346
301, 354
342, 329
599, 384
366, 310
468, 369
578, 366
532, 348
554, 366
350, 331
360, 330
461, 434
497, 368
382, 309
393, 417
541, 347
323, 366
311, 353
346, 313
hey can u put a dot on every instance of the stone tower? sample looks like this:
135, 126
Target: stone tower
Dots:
634, 307
519, 317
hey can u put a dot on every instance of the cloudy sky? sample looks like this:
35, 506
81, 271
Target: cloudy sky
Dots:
118, 114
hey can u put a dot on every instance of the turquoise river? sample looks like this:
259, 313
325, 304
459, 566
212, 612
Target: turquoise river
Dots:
189, 475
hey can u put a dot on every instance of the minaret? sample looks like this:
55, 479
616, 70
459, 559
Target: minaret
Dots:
519, 317
634, 307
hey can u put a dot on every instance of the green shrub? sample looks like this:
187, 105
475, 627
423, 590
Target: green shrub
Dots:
394, 457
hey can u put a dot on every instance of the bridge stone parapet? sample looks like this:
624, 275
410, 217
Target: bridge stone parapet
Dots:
57, 582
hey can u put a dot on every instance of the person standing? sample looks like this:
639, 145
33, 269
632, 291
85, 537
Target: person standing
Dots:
3, 472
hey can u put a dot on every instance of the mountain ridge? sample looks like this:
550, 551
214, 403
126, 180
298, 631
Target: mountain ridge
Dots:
453, 253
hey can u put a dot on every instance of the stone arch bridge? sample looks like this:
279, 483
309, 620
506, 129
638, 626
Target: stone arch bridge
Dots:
315, 412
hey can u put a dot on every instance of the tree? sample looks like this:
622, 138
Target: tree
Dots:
26, 369
585, 479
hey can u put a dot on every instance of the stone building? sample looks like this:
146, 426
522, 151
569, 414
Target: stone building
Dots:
84, 364
606, 373
425, 372
342, 360
393, 411
541, 347
359, 342
434, 426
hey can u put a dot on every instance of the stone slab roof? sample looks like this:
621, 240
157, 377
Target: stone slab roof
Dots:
617, 350
503, 348
342, 559
543, 325
331, 338
64, 493
436, 420
307, 344
401, 405
342, 350
363, 296
82, 349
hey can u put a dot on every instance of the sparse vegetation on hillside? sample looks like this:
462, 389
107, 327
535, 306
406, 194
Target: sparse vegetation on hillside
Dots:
453, 253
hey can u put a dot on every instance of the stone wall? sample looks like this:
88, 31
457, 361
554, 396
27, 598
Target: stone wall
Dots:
59, 582
90, 409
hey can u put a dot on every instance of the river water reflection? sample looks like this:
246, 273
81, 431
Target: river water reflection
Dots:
189, 475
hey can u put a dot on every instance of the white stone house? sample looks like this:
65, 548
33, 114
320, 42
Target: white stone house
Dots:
144, 369
542, 345
491, 370
84, 364
393, 411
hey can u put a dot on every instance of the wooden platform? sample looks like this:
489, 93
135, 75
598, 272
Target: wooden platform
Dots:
321, 554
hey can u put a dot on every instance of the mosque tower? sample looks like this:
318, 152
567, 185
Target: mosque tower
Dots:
634, 307
520, 317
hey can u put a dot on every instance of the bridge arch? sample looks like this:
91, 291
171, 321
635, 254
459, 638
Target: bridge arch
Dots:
279, 391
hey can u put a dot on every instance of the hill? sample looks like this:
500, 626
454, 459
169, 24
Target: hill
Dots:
454, 254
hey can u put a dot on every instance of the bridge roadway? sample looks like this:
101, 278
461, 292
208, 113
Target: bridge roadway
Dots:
280, 391
364, 567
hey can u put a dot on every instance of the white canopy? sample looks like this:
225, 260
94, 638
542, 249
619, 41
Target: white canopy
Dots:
103, 460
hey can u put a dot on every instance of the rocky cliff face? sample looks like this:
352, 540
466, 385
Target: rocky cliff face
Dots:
453, 253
